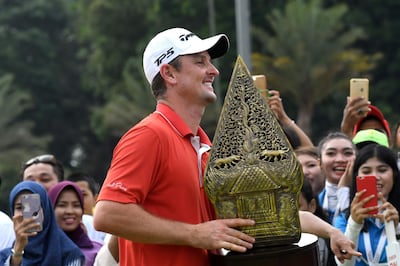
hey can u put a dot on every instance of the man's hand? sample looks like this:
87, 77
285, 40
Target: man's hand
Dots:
355, 109
275, 103
219, 234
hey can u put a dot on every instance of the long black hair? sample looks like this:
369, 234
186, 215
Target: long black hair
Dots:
309, 195
385, 155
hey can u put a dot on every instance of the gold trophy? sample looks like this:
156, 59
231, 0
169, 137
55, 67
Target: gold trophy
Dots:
252, 171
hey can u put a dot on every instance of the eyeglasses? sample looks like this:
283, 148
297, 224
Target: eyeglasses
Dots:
45, 158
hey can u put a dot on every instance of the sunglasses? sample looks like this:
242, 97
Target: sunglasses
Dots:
45, 158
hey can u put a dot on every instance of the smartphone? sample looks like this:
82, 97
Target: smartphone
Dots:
369, 183
260, 81
359, 87
31, 207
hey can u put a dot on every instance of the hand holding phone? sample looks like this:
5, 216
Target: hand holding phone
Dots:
369, 183
359, 87
31, 207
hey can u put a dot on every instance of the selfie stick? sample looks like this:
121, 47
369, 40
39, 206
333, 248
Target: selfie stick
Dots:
393, 247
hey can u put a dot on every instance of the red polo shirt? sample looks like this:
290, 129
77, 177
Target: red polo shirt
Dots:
155, 165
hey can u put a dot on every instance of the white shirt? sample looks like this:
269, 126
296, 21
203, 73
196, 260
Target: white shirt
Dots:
92, 233
6, 231
104, 256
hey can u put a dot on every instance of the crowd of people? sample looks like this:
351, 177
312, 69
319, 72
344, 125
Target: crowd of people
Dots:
153, 209
363, 147
64, 236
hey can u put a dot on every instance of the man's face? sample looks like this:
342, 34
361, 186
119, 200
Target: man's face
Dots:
194, 81
372, 124
42, 173
88, 197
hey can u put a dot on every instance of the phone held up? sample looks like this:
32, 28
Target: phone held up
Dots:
369, 183
359, 87
31, 208
260, 81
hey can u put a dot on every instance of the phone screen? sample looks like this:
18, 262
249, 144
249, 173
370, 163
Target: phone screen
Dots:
368, 183
31, 207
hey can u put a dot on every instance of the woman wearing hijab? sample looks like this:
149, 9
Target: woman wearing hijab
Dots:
50, 246
67, 200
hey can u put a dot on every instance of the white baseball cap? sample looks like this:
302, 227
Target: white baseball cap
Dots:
169, 44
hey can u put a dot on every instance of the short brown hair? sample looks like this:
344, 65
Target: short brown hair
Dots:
158, 84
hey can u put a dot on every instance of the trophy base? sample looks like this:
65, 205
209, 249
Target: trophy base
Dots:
305, 252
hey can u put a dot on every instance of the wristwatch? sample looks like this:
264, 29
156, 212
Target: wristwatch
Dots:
16, 254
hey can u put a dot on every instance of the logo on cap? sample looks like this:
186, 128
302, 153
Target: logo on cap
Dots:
185, 37
167, 54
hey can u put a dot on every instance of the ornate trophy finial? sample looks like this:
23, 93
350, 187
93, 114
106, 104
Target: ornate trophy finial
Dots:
252, 171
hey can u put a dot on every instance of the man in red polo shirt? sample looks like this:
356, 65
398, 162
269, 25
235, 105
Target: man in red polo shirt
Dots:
153, 196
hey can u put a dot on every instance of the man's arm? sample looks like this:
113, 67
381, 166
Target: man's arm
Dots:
113, 247
132, 222
339, 243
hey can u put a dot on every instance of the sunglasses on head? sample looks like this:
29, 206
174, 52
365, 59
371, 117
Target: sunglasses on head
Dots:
45, 158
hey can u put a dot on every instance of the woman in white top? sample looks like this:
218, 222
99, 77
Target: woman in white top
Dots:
367, 230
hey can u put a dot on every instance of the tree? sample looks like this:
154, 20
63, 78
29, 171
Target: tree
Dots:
16, 138
125, 107
308, 54
38, 47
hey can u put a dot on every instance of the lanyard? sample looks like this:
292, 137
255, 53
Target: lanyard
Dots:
374, 260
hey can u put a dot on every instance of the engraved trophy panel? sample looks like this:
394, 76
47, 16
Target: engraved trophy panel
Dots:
252, 171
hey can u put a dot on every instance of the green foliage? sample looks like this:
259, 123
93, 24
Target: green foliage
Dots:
111, 41
113, 62
28, 32
16, 139
37, 48
308, 55
126, 106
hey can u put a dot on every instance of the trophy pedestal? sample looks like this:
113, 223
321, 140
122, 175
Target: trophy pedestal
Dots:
305, 252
